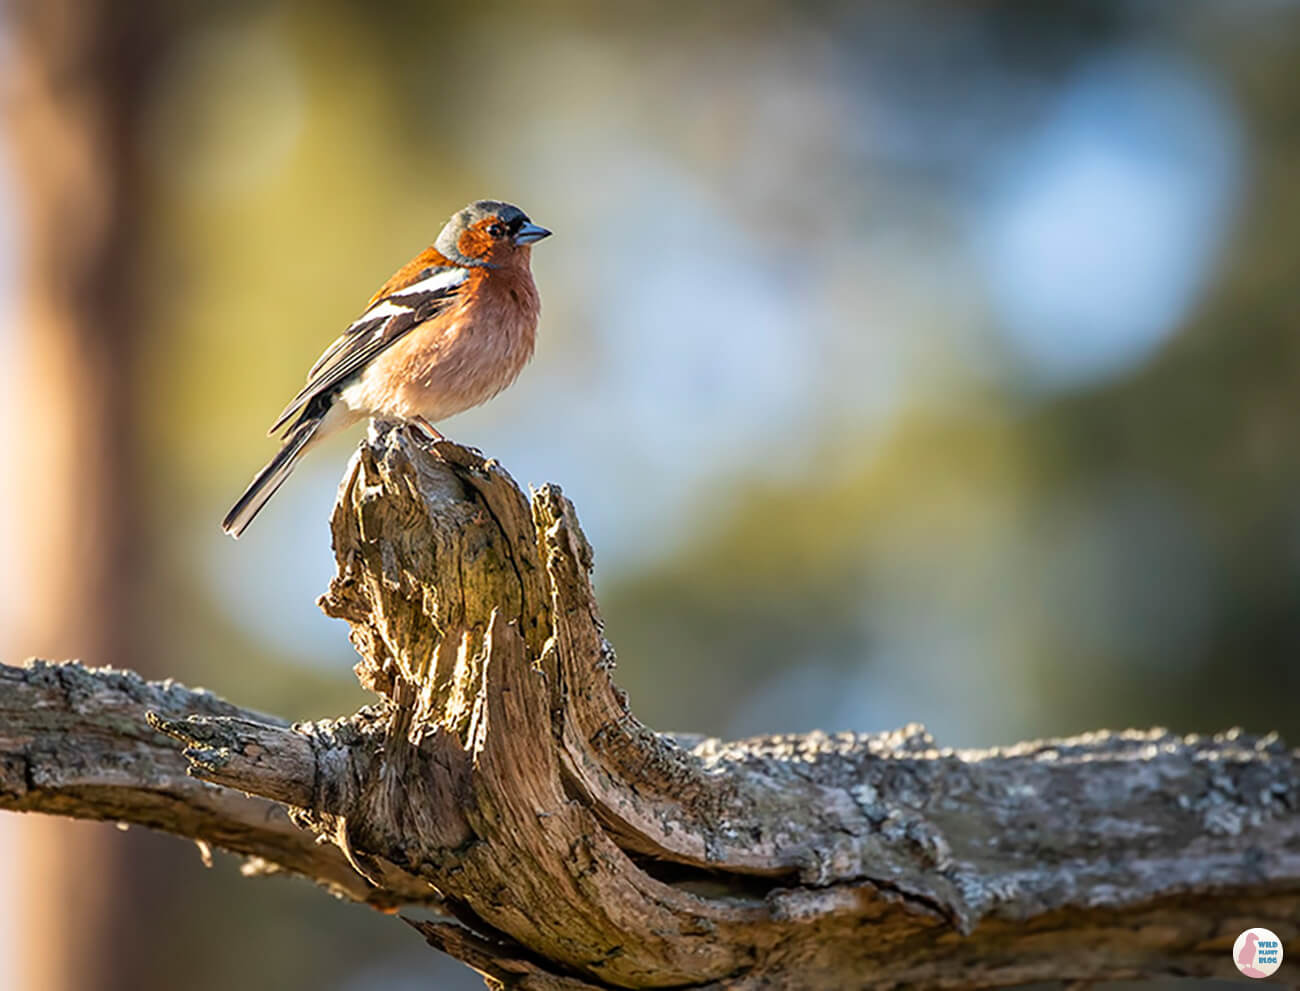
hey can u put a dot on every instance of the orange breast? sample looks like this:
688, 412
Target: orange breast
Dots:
459, 359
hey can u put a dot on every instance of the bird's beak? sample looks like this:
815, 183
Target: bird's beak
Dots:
531, 233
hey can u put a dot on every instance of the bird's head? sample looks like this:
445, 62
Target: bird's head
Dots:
489, 232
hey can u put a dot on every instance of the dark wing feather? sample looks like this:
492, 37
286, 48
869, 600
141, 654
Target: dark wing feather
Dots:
385, 321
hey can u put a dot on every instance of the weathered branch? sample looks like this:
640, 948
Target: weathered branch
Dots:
503, 780
78, 742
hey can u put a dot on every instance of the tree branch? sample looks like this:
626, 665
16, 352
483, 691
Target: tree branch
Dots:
78, 742
503, 780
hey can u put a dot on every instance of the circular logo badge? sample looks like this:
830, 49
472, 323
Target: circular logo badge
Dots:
1257, 953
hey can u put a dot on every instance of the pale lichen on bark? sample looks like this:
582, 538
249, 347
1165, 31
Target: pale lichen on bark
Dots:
502, 781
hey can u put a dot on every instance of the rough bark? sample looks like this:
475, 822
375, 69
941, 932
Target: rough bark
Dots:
503, 781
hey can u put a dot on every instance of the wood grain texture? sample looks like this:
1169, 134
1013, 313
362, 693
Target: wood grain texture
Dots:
502, 780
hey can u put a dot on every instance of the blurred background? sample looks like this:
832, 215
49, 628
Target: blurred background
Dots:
927, 361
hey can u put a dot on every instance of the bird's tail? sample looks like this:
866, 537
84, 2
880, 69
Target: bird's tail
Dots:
271, 477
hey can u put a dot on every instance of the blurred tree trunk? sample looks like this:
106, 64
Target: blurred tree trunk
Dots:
72, 92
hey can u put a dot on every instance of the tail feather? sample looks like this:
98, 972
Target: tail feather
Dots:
270, 478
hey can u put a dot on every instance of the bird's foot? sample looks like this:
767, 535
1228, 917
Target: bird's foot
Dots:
419, 425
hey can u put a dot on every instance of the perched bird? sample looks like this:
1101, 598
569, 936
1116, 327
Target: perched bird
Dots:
452, 328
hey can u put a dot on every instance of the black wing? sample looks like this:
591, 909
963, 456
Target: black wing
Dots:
385, 321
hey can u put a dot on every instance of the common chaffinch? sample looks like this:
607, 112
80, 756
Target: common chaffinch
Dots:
453, 327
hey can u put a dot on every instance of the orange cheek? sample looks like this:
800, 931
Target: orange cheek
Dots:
476, 242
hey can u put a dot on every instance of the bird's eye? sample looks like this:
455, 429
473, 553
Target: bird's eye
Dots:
496, 230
